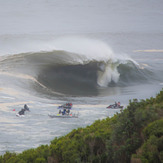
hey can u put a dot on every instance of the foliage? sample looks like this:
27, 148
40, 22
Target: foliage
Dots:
152, 149
134, 134
39, 155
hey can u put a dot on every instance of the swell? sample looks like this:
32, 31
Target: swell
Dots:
74, 74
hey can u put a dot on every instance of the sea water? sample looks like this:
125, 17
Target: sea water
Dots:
90, 53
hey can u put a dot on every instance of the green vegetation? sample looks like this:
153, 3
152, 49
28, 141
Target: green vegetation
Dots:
134, 135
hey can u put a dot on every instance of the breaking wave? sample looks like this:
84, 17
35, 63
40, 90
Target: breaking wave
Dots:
76, 67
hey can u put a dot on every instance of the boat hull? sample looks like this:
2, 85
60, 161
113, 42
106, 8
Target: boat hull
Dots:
63, 116
114, 107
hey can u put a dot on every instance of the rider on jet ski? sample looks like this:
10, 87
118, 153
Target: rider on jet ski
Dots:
22, 111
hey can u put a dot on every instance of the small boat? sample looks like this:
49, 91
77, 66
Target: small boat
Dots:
115, 106
64, 112
63, 116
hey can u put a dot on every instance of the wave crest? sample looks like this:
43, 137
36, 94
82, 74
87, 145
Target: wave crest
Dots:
77, 67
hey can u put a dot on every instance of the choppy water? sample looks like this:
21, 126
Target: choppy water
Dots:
91, 58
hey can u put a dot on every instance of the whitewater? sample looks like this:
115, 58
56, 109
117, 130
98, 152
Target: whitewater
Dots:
90, 53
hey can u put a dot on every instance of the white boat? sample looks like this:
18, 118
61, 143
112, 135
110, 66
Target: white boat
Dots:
63, 116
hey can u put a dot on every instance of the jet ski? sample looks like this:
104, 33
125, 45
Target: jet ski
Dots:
65, 106
21, 113
115, 106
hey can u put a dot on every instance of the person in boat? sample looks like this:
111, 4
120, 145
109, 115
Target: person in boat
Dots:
64, 111
67, 111
115, 105
60, 107
119, 104
69, 104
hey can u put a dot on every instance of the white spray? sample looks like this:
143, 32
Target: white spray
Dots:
84, 50
94, 50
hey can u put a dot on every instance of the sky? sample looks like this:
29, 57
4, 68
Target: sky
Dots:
76, 16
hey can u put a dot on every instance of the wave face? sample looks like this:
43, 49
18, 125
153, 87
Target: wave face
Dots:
77, 67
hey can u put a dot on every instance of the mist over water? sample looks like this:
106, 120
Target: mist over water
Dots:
90, 53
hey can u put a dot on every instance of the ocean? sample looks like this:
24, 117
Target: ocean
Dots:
90, 53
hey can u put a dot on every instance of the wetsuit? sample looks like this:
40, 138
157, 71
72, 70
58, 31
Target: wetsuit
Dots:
26, 107
21, 112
